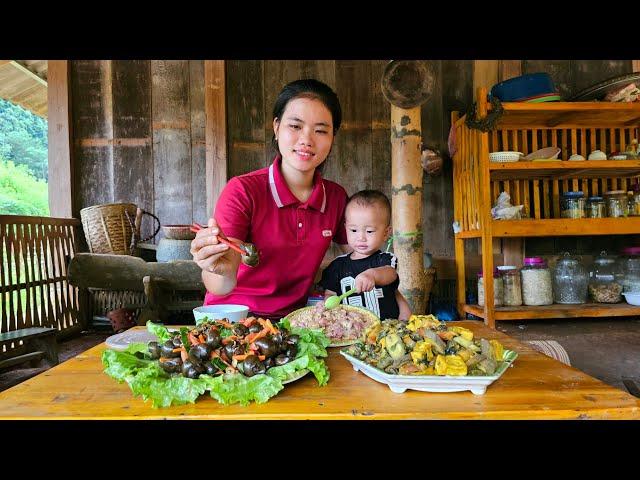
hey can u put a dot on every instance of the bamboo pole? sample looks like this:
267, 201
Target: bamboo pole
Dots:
406, 183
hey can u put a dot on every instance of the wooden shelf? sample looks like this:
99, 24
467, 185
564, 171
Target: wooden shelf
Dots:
558, 311
554, 227
569, 115
561, 170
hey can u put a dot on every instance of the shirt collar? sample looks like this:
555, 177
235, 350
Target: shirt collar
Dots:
283, 196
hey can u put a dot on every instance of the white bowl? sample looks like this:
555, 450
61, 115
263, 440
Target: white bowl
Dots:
233, 313
633, 298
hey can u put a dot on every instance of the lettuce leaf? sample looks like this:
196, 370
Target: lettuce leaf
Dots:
159, 331
146, 378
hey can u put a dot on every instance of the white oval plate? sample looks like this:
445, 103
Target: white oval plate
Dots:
121, 341
298, 375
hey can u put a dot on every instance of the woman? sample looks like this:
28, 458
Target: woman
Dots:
288, 211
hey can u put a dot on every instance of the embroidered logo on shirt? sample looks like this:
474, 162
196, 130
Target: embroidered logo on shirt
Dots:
326, 233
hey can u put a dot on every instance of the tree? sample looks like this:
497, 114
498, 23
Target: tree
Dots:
20, 192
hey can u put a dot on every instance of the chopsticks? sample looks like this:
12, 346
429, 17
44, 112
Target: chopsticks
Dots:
196, 227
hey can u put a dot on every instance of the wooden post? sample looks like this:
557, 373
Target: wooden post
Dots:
406, 188
216, 130
407, 85
512, 248
59, 120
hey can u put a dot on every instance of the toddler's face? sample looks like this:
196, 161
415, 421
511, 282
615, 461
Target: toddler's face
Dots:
367, 229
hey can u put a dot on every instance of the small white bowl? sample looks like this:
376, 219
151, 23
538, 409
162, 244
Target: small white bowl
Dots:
633, 298
233, 313
505, 156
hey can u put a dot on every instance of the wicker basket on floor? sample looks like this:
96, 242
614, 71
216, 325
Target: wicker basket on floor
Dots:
114, 227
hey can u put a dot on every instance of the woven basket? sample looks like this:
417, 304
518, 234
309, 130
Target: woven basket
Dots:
114, 227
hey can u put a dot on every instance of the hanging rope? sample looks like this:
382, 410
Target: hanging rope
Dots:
487, 123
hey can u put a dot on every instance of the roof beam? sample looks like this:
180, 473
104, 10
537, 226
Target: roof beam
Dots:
28, 72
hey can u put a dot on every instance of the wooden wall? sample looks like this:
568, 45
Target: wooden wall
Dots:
139, 131
139, 136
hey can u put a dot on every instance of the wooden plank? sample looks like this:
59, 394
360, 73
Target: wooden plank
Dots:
60, 140
133, 163
485, 74
171, 140
381, 145
91, 106
587, 310
215, 99
245, 98
564, 226
198, 142
350, 161
438, 190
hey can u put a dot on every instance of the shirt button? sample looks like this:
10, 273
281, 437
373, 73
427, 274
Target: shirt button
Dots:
300, 225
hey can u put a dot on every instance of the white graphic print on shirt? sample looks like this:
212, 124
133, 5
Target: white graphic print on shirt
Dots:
371, 302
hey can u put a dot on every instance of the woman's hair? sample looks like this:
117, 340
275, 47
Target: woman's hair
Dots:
308, 88
368, 198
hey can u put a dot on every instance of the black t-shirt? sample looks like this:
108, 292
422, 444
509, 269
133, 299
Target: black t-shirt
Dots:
340, 277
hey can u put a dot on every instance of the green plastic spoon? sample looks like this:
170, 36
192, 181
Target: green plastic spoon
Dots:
334, 301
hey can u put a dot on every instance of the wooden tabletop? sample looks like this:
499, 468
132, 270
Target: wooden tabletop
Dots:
535, 387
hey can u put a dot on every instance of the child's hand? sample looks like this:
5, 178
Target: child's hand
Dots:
366, 281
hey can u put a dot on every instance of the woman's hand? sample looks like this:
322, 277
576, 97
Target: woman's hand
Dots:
366, 281
210, 254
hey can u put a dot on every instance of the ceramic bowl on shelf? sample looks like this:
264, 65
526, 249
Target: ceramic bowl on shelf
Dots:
547, 153
633, 298
178, 232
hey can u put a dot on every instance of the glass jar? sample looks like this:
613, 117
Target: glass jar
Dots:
498, 289
605, 279
630, 203
616, 201
536, 282
596, 208
635, 211
572, 205
630, 264
512, 285
570, 280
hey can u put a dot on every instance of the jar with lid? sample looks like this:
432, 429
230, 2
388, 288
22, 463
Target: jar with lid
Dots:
596, 208
498, 288
572, 205
536, 282
616, 201
512, 285
605, 279
570, 280
630, 264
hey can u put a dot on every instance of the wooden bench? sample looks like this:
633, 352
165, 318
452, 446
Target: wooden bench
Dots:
38, 343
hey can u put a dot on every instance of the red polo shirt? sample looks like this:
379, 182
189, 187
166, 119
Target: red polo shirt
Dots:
292, 237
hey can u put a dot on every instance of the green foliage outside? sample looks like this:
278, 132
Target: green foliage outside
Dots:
23, 162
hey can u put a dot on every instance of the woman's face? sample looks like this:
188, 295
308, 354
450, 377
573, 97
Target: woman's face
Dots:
304, 134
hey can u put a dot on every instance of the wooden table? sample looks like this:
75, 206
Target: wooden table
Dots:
535, 387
